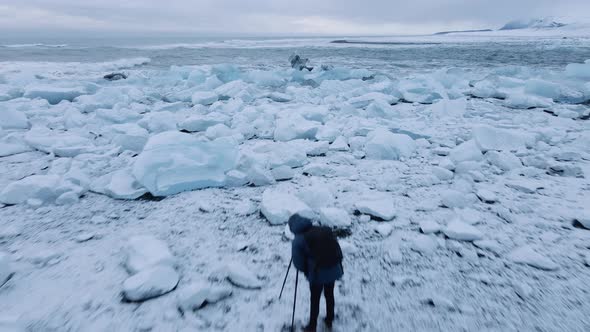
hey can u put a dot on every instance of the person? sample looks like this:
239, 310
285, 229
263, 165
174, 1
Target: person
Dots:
316, 253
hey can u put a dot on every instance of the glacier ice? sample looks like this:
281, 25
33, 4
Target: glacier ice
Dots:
294, 126
381, 209
13, 119
578, 70
491, 138
204, 98
61, 143
467, 151
41, 187
54, 94
202, 122
128, 136
172, 162
383, 144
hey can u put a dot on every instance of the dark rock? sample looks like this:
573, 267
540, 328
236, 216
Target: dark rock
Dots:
115, 77
299, 63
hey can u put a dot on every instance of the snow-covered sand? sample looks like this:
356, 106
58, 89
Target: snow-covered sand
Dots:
462, 196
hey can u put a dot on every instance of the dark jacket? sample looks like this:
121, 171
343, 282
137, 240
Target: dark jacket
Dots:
302, 258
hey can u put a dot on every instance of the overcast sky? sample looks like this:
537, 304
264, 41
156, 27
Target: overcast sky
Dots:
275, 17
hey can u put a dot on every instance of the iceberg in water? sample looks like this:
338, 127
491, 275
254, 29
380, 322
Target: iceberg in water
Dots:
173, 162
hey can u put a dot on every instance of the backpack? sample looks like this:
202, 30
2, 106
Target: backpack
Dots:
324, 247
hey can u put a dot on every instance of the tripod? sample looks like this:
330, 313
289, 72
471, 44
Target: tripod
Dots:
294, 297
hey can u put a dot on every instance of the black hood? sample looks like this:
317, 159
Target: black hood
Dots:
299, 224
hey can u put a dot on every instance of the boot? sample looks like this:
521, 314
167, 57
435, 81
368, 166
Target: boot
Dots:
328, 323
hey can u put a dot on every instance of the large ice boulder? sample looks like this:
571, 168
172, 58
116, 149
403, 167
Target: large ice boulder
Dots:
317, 195
283, 154
468, 151
10, 145
449, 108
521, 100
173, 162
442, 174
150, 283
39, 187
335, 218
383, 144
380, 209
108, 97
457, 199
238, 274
145, 251
120, 184
13, 119
504, 160
202, 122
129, 136
527, 255
198, 294
54, 94
295, 126
491, 138
419, 90
204, 98
579, 70
458, 230
424, 244
62, 144
366, 99
158, 122
278, 207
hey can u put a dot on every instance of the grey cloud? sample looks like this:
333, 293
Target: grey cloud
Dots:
278, 16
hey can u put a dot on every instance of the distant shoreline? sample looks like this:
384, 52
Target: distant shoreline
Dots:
361, 42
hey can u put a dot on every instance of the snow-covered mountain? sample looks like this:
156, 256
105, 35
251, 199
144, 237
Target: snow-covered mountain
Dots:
539, 27
538, 23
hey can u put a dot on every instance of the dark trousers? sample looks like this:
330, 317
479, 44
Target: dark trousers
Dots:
316, 294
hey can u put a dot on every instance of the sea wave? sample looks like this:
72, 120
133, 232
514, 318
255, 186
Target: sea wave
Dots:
58, 69
239, 43
35, 45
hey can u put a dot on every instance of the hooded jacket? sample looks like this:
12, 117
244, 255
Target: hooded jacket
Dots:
302, 258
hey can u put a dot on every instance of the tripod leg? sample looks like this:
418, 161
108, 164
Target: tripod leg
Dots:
294, 302
284, 281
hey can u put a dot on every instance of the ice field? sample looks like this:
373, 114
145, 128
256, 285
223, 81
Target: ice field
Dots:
455, 169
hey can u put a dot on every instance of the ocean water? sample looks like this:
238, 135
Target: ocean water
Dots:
391, 54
